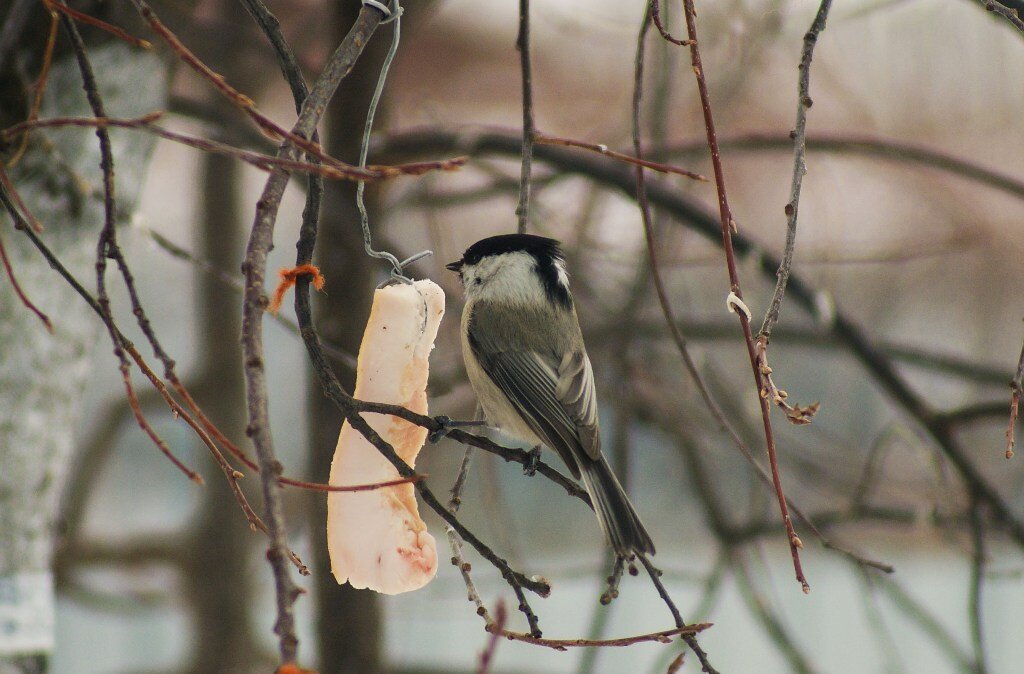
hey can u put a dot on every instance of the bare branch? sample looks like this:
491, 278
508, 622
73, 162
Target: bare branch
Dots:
803, 102
523, 45
728, 226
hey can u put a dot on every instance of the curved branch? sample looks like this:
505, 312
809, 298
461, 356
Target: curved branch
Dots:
696, 217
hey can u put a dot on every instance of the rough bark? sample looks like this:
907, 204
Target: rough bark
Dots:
43, 376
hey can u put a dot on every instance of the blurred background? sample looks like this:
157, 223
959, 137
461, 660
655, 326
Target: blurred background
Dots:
899, 234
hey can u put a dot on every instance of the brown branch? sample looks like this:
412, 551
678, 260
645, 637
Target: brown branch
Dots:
336, 170
728, 225
798, 415
867, 145
804, 102
254, 305
655, 12
1015, 395
666, 308
664, 637
544, 139
974, 603
523, 45
487, 655
18, 207
1002, 10
44, 74
299, 135
97, 23
19, 292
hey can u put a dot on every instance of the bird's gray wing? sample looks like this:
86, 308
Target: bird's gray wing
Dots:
575, 391
530, 383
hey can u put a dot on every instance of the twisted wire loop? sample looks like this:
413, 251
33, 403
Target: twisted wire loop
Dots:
391, 13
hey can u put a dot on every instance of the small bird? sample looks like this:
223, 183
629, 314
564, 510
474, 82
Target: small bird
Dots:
527, 362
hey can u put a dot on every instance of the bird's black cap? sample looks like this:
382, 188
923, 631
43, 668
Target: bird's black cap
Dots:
547, 252
544, 249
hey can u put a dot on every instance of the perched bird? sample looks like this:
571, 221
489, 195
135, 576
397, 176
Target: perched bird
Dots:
526, 360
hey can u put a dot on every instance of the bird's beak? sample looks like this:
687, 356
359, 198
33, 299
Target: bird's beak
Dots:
454, 266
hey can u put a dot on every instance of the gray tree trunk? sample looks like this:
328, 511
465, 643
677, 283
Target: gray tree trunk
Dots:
43, 376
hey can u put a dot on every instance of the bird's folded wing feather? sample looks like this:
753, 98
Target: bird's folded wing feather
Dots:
556, 399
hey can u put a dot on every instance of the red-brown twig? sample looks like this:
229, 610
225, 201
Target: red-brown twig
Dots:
19, 292
728, 225
664, 637
656, 17
1015, 394
44, 74
12, 193
98, 23
334, 169
544, 139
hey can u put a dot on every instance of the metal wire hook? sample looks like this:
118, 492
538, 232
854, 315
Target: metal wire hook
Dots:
397, 268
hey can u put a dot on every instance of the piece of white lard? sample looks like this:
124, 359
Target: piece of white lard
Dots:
376, 539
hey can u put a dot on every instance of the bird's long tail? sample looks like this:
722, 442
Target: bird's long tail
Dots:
619, 521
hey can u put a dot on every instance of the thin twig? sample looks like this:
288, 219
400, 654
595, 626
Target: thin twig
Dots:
665, 636
336, 170
455, 543
688, 637
18, 206
798, 415
612, 590
544, 139
523, 45
728, 225
98, 23
803, 102
19, 292
977, 579
655, 12
1002, 10
1015, 395
509, 454
487, 655
107, 246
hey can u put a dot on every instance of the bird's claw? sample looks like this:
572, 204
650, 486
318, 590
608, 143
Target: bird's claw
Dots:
445, 425
530, 467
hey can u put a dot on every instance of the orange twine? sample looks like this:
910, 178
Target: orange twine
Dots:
289, 275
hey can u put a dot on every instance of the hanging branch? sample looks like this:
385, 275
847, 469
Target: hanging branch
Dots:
1015, 395
523, 45
796, 414
254, 304
21, 293
799, 135
645, 212
735, 295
